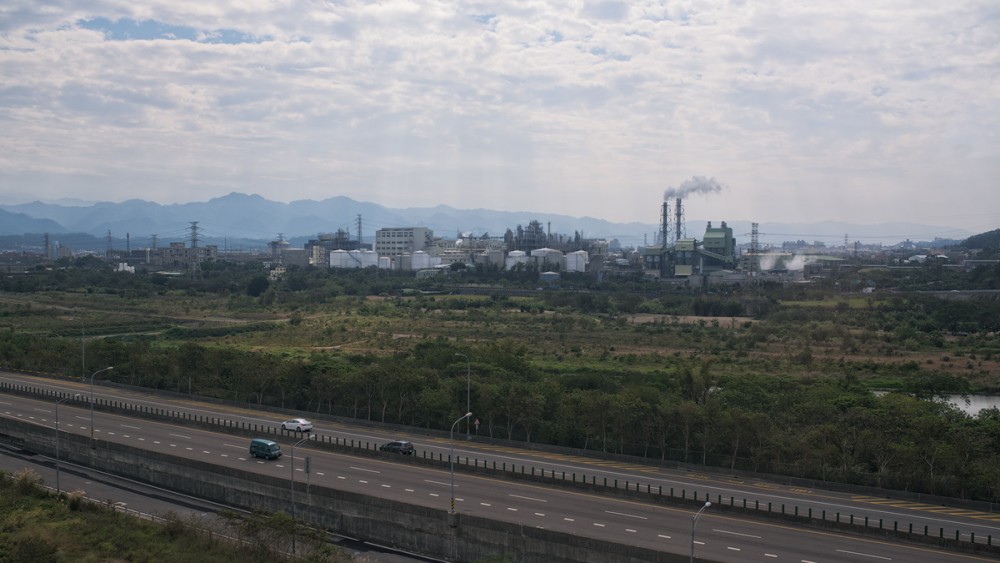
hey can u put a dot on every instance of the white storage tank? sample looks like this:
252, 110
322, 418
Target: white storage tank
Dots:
514, 258
384, 263
339, 259
362, 258
420, 260
547, 256
575, 261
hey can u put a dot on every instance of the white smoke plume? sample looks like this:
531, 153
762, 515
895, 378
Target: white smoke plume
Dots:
791, 262
696, 185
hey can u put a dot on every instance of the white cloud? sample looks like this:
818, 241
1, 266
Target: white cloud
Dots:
854, 111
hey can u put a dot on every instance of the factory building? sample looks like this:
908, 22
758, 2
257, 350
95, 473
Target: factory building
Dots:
677, 256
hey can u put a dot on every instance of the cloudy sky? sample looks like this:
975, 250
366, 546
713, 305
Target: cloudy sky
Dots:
863, 111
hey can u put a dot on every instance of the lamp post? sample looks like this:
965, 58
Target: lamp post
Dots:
292, 481
92, 402
468, 394
451, 459
694, 522
59, 402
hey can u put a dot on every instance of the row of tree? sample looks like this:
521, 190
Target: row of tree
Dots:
831, 429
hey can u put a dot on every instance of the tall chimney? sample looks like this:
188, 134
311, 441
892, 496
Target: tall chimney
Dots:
679, 220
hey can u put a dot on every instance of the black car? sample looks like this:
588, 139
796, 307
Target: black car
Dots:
399, 447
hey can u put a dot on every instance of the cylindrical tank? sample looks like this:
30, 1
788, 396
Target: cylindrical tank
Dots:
575, 261
514, 258
420, 260
543, 256
339, 259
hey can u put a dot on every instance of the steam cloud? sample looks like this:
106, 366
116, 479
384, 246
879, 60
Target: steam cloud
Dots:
696, 185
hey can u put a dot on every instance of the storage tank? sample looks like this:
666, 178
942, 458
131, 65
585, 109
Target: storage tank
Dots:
575, 261
420, 260
546, 256
514, 258
384, 263
362, 258
339, 259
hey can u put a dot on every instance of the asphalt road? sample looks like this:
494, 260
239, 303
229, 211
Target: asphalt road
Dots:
719, 537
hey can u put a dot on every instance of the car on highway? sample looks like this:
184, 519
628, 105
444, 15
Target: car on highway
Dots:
398, 447
297, 425
267, 449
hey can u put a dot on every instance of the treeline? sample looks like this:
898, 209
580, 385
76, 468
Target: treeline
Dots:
830, 428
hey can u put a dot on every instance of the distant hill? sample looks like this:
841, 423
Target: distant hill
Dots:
12, 223
242, 217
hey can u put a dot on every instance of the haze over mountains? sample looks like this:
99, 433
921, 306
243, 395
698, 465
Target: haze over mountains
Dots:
251, 217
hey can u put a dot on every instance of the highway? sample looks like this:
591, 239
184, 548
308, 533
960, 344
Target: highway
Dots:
719, 537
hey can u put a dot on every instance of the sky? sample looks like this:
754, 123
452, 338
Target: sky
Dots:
860, 111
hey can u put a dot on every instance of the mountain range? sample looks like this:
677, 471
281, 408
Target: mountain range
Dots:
240, 216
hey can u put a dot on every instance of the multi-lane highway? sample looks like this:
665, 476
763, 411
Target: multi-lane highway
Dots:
719, 537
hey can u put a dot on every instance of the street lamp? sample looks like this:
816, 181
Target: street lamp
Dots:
468, 394
92, 402
59, 402
451, 459
292, 481
694, 522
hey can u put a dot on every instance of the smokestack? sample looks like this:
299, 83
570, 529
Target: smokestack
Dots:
679, 220
664, 224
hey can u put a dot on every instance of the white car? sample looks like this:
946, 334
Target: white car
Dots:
297, 424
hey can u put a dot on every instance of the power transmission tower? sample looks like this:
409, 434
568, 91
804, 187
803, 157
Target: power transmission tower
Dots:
195, 258
359, 231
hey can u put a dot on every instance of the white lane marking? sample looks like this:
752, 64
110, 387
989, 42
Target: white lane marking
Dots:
386, 486
156, 442
225, 455
181, 436
734, 549
320, 474
434, 495
699, 542
864, 554
362, 481
435, 482
770, 555
628, 515
511, 509
629, 530
599, 525
205, 452
364, 469
735, 534
529, 498
570, 519
540, 514
131, 427
663, 536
